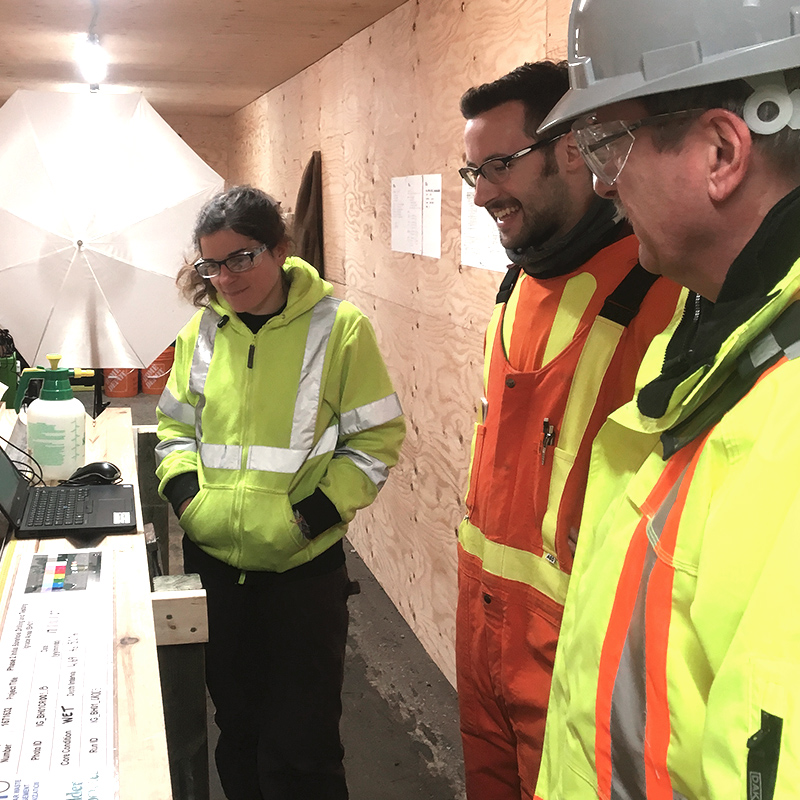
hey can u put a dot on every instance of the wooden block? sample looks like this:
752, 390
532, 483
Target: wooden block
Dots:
180, 617
176, 583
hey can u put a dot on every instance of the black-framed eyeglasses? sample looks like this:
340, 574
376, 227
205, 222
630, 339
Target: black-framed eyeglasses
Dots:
605, 146
238, 262
495, 170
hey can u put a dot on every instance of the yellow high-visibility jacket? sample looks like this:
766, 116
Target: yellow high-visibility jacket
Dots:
266, 419
678, 668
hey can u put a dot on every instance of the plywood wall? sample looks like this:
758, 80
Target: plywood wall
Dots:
385, 105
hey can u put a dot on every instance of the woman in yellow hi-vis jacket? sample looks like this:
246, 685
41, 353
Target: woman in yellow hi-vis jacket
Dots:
278, 422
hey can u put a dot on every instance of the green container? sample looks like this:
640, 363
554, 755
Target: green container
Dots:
8, 376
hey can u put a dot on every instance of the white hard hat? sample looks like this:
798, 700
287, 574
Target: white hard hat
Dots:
625, 49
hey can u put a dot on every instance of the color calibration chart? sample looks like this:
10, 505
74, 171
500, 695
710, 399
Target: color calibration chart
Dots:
56, 680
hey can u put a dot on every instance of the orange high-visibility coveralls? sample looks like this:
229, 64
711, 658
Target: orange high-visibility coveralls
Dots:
561, 354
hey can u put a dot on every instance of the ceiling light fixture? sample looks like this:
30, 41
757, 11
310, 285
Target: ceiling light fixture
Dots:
90, 56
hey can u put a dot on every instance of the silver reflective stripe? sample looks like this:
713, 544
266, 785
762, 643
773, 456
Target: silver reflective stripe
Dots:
792, 351
372, 467
163, 449
275, 459
371, 415
763, 348
174, 409
629, 698
289, 461
201, 361
203, 350
221, 456
308, 391
327, 442
629, 703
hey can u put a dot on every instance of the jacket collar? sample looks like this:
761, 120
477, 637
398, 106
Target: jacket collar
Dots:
760, 283
598, 228
306, 289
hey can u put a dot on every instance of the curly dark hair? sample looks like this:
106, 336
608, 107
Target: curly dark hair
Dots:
243, 209
538, 86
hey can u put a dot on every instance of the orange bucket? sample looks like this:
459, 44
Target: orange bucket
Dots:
121, 382
154, 378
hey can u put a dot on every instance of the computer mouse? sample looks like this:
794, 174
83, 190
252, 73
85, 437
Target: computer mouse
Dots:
97, 472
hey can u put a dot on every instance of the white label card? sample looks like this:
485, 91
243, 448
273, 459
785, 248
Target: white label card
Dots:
56, 680
480, 242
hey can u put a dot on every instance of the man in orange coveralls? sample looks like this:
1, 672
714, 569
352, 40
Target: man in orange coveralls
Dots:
571, 324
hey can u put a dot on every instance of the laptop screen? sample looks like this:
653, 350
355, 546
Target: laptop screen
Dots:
13, 489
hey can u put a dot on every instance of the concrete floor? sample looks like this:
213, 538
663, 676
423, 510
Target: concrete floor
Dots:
400, 721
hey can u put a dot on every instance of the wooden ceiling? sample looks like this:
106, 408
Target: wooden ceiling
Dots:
185, 56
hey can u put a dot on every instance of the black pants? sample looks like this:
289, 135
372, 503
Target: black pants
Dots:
274, 669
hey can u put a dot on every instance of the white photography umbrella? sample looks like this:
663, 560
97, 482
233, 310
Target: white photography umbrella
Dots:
98, 198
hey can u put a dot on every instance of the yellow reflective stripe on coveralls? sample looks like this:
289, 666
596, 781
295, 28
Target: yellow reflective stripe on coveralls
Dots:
587, 379
491, 332
577, 295
513, 564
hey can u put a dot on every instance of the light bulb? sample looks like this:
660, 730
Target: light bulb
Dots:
92, 59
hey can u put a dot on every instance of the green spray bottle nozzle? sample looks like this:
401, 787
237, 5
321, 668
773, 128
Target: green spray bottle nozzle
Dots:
55, 381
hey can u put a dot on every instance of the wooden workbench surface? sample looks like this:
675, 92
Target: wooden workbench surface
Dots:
141, 749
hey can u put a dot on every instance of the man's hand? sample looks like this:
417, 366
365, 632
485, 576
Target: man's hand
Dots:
572, 540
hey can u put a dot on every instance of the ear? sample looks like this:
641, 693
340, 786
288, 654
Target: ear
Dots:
729, 147
569, 156
280, 251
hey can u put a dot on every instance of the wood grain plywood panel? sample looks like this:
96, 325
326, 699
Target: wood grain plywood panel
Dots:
294, 132
408, 540
497, 35
557, 27
378, 111
250, 151
334, 179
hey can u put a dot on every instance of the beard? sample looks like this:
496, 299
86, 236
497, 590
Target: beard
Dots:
538, 233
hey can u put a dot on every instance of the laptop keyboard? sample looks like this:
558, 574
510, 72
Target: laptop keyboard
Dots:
54, 507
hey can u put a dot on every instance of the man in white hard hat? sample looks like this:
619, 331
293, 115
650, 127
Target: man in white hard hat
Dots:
678, 668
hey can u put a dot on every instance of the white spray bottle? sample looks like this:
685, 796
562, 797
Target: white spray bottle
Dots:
56, 420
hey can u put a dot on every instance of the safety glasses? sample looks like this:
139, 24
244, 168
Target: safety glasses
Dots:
238, 262
496, 170
605, 146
